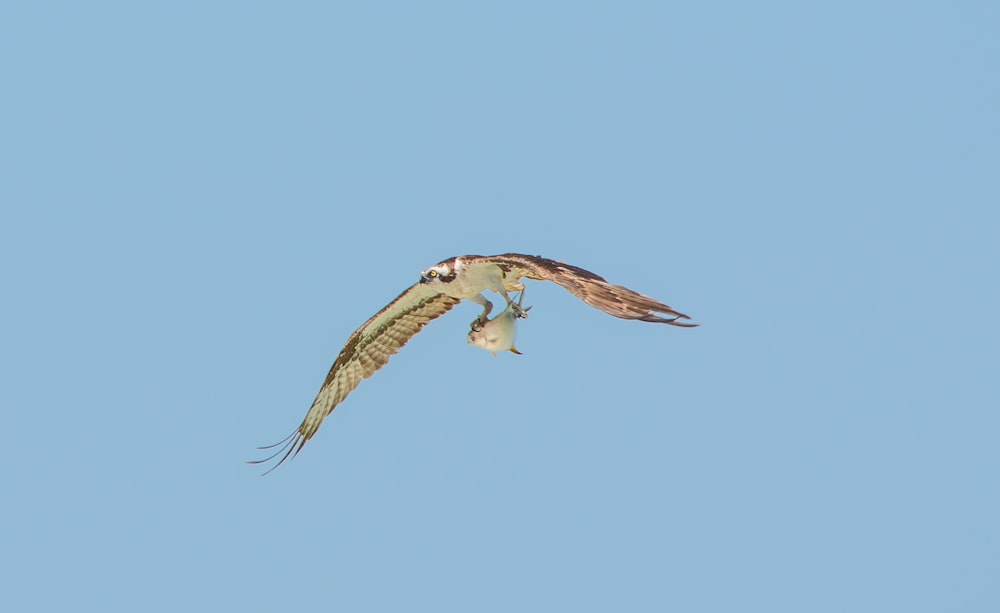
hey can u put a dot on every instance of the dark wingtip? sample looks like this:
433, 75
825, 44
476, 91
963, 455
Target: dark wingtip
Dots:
291, 443
682, 324
673, 321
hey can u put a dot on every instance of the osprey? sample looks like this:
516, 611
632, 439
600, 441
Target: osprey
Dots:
440, 288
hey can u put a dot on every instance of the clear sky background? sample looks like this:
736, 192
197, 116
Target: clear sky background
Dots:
202, 201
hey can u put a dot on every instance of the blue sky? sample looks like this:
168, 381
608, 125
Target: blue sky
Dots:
200, 203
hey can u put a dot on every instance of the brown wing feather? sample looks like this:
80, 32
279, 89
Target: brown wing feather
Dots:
366, 351
591, 288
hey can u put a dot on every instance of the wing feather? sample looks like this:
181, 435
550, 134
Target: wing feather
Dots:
366, 351
593, 289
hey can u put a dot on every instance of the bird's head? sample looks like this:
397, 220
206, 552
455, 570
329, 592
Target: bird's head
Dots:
440, 273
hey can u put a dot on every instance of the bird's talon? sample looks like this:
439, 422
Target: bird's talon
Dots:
516, 308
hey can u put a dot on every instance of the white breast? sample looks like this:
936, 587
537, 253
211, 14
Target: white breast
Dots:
476, 278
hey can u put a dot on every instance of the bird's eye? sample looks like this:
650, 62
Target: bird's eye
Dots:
432, 274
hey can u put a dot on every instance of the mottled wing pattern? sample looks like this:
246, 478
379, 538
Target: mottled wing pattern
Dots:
366, 351
591, 288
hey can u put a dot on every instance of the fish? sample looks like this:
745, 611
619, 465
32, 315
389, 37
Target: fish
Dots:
497, 334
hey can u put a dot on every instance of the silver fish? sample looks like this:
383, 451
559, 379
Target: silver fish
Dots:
497, 334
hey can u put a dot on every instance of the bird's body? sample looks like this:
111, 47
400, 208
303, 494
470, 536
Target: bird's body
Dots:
440, 288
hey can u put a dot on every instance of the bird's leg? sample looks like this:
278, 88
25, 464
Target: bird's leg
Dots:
477, 323
520, 300
520, 312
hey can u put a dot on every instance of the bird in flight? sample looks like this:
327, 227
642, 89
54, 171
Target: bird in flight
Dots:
440, 288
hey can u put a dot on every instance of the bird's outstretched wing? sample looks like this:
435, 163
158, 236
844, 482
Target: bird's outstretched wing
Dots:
591, 288
366, 351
